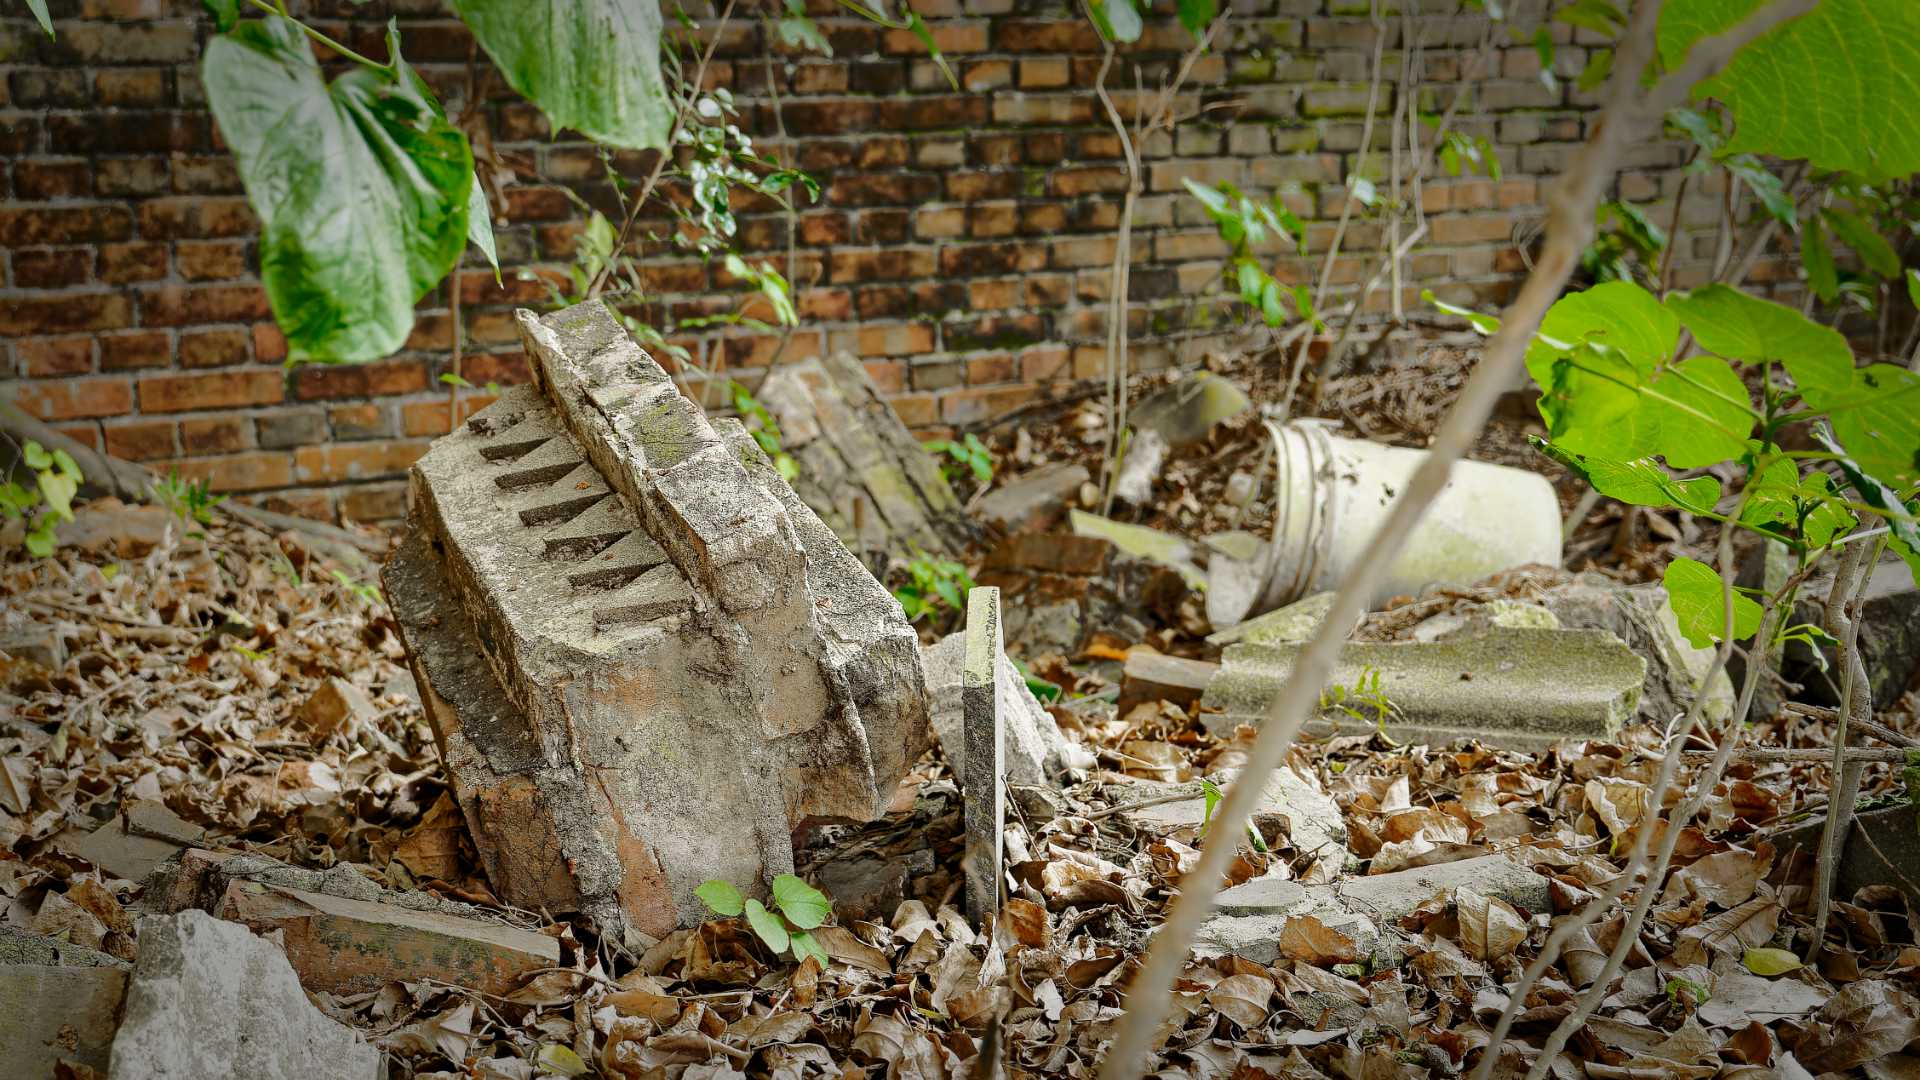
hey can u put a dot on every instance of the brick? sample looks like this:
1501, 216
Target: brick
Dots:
75, 399
174, 305
131, 88
221, 435
126, 133
194, 217
360, 422
135, 349
55, 356
225, 390
21, 226
42, 88
100, 42
214, 348
146, 440
1044, 73
360, 380
285, 430
193, 174
27, 315
51, 179
251, 471
212, 261
51, 268
375, 502
120, 264
130, 176
1455, 229
355, 461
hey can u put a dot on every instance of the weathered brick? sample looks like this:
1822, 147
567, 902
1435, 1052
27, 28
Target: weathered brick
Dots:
51, 179
284, 430
135, 349
21, 226
361, 421
55, 356
219, 435
75, 399
214, 348
141, 440
131, 88
360, 380
130, 176
225, 390
250, 471
120, 264
64, 312
355, 461
51, 268
174, 305
195, 217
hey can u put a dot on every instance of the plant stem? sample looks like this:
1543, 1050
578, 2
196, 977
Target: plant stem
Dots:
1849, 583
280, 9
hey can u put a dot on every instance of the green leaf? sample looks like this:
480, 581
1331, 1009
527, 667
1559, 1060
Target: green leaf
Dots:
1617, 314
767, 926
1825, 87
798, 30
1770, 962
59, 488
1817, 257
721, 897
36, 456
480, 226
1877, 420
1829, 518
1272, 310
804, 946
1898, 514
1117, 20
1599, 66
39, 9
1699, 604
1866, 242
40, 540
1706, 415
804, 906
1196, 15
225, 12
1913, 287
591, 65
1767, 187
362, 187
1727, 322
1683, 22
1641, 483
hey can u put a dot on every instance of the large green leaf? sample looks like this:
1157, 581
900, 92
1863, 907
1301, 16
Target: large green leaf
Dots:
1618, 314
1117, 20
1859, 234
1703, 413
1835, 86
1727, 322
1595, 350
1642, 483
1899, 515
361, 187
1699, 603
1877, 420
804, 906
767, 926
591, 65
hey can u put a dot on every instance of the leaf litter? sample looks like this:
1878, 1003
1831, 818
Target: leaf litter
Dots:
187, 667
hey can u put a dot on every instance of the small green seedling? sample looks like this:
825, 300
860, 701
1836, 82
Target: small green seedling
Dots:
932, 583
190, 500
48, 502
797, 908
362, 591
1364, 701
764, 429
969, 453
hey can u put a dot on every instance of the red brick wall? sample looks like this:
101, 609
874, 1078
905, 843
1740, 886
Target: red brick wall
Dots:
960, 247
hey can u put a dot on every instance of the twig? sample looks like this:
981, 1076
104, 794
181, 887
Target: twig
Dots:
1856, 698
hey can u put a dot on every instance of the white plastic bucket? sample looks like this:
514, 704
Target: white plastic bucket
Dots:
1333, 494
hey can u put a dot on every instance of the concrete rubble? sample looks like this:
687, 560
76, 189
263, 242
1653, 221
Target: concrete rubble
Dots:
1035, 750
1889, 635
1250, 917
207, 998
1060, 586
1302, 810
1518, 687
1035, 502
58, 1002
646, 659
985, 704
861, 471
134, 843
1641, 616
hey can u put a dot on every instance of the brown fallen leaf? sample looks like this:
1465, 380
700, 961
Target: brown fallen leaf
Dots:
1490, 928
1864, 1021
1308, 940
1243, 999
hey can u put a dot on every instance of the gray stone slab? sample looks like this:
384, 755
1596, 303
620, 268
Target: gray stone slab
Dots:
208, 998
1521, 688
1034, 501
986, 704
1036, 751
51, 1014
1249, 917
1641, 616
1314, 822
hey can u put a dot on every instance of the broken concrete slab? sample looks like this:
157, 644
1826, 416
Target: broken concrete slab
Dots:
1294, 624
36, 643
1034, 502
346, 946
1146, 452
1035, 751
1889, 635
134, 843
1313, 821
986, 705
1140, 542
1518, 688
208, 998
50, 1014
861, 471
646, 659
1152, 676
1185, 411
1641, 616
1249, 917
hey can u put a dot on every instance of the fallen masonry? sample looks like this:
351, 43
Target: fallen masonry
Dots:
1250, 919
57, 1002
1518, 687
645, 658
985, 702
1036, 752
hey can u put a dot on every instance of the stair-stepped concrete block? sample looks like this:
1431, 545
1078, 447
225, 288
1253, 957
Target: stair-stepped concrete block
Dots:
645, 658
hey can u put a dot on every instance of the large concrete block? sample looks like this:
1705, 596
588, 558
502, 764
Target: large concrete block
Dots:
645, 658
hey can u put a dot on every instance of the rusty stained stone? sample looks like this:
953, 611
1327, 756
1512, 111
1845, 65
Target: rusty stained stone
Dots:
646, 660
346, 946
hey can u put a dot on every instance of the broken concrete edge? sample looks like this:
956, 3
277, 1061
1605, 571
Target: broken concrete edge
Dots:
708, 591
984, 702
1249, 918
1032, 502
1036, 750
1141, 542
1518, 688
